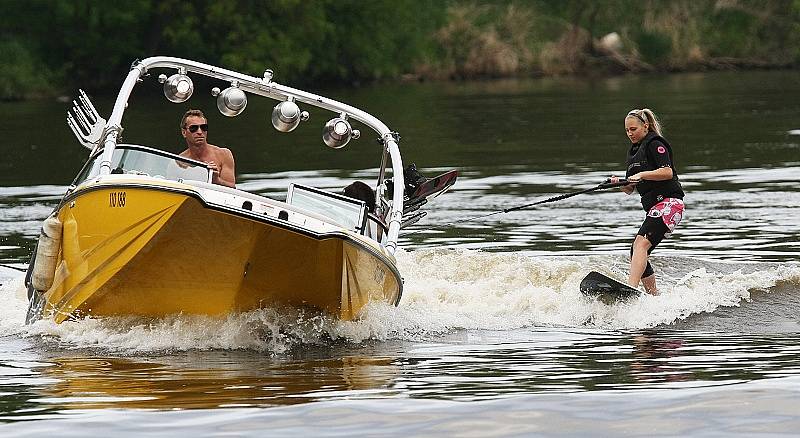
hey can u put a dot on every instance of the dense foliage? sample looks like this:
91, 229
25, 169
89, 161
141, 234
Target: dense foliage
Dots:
50, 45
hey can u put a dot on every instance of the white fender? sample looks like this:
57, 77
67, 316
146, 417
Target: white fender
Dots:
44, 267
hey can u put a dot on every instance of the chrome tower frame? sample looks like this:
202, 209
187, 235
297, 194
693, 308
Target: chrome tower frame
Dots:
265, 87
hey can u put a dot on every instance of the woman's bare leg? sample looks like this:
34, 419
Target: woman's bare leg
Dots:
638, 263
650, 284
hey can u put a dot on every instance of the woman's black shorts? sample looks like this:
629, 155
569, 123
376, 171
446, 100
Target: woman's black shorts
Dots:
654, 229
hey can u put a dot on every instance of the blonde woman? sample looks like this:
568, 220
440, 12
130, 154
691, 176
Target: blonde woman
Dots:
651, 172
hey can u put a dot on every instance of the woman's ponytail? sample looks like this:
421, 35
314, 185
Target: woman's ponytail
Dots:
652, 120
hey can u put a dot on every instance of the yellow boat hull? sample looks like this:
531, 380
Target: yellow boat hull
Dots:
156, 251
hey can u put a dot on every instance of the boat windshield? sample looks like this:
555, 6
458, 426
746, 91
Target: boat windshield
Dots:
348, 212
141, 160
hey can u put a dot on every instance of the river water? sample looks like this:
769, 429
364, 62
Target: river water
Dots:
492, 337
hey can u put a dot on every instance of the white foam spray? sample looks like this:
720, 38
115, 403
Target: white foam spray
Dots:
444, 290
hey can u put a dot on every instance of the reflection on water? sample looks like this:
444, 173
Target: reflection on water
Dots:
581, 361
210, 380
655, 359
463, 366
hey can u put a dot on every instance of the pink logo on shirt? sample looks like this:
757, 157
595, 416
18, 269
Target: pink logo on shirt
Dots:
661, 149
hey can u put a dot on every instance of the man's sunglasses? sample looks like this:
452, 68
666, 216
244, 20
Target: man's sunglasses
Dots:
193, 128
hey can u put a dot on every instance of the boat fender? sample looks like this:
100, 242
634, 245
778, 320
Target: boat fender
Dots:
44, 267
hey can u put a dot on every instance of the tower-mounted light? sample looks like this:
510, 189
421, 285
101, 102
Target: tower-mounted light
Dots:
230, 101
178, 88
337, 132
287, 115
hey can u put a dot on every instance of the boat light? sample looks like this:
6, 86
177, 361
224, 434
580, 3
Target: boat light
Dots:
230, 101
178, 88
287, 115
337, 132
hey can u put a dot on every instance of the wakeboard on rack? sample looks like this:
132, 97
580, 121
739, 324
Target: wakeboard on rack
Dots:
606, 288
418, 189
433, 187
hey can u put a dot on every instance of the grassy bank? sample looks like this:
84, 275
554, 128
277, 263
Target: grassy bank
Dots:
50, 47
509, 38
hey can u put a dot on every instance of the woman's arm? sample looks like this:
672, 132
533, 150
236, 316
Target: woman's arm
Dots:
661, 174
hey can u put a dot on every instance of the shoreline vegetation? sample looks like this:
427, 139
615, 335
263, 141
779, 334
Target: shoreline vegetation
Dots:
51, 47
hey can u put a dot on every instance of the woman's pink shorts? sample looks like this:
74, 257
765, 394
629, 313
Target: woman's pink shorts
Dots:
670, 210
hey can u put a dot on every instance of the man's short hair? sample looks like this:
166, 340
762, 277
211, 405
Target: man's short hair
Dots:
190, 113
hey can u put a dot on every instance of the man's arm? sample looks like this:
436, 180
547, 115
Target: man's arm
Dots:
226, 175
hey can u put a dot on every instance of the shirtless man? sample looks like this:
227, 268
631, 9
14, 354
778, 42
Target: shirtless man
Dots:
194, 128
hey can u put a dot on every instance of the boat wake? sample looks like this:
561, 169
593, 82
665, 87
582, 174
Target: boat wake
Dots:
445, 291
482, 290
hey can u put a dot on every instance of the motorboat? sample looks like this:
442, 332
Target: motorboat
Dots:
143, 231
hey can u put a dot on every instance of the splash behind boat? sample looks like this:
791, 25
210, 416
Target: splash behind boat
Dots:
142, 231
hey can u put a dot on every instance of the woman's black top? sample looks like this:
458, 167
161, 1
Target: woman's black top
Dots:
652, 153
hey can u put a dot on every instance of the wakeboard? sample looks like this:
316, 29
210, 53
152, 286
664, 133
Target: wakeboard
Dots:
422, 189
606, 288
433, 187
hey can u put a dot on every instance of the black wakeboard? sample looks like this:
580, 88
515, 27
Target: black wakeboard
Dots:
606, 288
